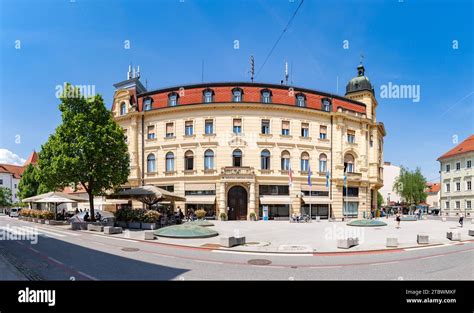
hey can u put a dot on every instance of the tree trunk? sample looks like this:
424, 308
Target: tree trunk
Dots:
91, 204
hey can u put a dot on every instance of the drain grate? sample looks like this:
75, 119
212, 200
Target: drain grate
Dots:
259, 262
130, 249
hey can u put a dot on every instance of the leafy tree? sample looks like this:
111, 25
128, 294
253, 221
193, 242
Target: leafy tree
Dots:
88, 148
411, 186
5, 197
29, 183
379, 200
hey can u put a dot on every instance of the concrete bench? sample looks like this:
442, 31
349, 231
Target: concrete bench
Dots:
422, 239
92, 227
347, 243
148, 235
392, 242
471, 232
443, 219
79, 226
318, 218
231, 241
110, 230
454, 235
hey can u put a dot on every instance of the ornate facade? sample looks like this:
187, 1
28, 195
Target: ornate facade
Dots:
229, 147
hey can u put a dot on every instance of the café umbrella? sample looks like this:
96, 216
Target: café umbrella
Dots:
147, 194
56, 198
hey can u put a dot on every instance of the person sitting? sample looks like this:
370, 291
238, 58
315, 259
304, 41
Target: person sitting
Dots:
98, 216
86, 217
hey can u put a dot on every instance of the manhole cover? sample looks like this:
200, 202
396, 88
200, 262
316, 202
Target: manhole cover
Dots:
294, 267
259, 262
130, 249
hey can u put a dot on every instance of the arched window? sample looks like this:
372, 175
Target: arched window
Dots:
266, 96
208, 96
285, 160
189, 160
349, 163
304, 162
170, 162
237, 94
300, 100
150, 163
323, 161
265, 159
209, 160
173, 99
237, 158
147, 104
123, 108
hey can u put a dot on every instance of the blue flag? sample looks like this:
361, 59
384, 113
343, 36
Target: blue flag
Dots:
327, 179
309, 176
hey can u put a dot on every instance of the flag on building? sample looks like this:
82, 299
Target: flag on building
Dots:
309, 176
327, 178
290, 175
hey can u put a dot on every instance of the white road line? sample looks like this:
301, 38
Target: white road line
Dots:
330, 266
55, 261
33, 249
40, 231
128, 240
276, 266
264, 266
384, 263
87, 275
61, 232
431, 257
263, 253
423, 248
165, 256
209, 262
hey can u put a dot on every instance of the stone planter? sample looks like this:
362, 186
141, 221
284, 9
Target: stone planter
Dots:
35, 220
121, 224
41, 221
149, 226
134, 225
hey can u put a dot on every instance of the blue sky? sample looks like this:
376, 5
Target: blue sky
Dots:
403, 42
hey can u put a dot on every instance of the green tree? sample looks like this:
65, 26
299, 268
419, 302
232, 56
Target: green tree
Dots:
5, 197
379, 200
88, 148
29, 183
411, 186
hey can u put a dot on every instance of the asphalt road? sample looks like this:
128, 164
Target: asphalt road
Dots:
62, 254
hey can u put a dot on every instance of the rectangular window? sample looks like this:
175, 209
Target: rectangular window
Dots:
468, 185
458, 204
125, 135
351, 209
468, 164
266, 127
188, 128
274, 190
448, 188
169, 130
458, 166
458, 186
285, 128
209, 127
305, 130
447, 204
468, 204
350, 192
323, 132
151, 132
351, 136
1, 181
448, 167
237, 126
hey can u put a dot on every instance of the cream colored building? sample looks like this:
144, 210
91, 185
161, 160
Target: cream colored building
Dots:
456, 179
390, 174
228, 147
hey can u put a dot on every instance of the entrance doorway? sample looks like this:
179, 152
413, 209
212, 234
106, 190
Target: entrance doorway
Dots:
237, 203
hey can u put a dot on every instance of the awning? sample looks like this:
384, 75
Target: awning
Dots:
199, 187
200, 199
316, 200
275, 199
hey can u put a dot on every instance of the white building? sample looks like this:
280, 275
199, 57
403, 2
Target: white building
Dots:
10, 175
432, 192
456, 179
390, 173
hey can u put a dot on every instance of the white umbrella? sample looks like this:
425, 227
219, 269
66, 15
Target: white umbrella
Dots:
56, 198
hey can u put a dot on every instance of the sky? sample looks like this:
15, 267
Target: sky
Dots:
425, 47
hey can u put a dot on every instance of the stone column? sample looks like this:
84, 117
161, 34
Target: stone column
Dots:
252, 199
222, 198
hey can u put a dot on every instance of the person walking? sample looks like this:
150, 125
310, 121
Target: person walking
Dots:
397, 218
461, 219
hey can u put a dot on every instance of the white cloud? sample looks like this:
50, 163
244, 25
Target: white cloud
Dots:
6, 156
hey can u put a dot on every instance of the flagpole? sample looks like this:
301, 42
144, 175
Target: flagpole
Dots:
310, 193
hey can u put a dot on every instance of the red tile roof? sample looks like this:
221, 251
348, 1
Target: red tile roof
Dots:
15, 170
70, 190
32, 159
466, 146
433, 188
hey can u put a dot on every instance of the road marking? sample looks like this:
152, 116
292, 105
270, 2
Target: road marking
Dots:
423, 248
33, 249
263, 253
263, 266
61, 232
40, 231
432, 256
55, 261
332, 266
164, 255
209, 262
128, 240
87, 275
384, 263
